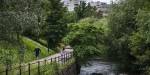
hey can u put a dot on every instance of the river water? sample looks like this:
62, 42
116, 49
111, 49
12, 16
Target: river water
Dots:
98, 67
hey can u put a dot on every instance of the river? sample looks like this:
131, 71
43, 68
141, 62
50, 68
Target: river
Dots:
98, 67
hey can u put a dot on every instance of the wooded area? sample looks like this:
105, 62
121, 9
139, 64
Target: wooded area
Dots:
122, 37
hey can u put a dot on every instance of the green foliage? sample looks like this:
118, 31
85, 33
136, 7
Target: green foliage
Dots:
84, 10
55, 24
102, 23
43, 42
129, 35
70, 17
22, 15
140, 40
7, 31
8, 53
86, 37
17, 17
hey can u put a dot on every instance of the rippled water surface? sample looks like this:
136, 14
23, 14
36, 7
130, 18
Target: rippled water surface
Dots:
98, 67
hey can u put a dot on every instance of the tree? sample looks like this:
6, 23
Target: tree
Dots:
140, 39
16, 16
84, 10
70, 17
55, 24
123, 24
87, 38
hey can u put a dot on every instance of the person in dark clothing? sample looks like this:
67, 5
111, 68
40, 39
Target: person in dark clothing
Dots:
37, 52
63, 48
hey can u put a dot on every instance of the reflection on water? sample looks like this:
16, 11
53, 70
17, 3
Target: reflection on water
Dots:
98, 67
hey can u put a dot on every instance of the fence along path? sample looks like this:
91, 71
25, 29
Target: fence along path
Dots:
59, 58
55, 57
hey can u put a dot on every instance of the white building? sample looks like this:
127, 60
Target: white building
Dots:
71, 4
101, 6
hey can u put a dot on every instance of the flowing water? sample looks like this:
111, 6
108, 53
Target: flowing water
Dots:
98, 67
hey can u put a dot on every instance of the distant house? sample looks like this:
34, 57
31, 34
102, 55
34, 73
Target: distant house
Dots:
71, 4
101, 6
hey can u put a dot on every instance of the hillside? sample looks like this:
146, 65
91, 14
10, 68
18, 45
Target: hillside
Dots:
31, 45
13, 52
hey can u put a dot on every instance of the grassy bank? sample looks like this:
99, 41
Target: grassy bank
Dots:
11, 55
30, 46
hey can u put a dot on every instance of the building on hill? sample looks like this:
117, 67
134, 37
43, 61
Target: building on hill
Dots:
71, 4
101, 6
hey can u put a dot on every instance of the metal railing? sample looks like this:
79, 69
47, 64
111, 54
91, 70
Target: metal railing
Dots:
39, 67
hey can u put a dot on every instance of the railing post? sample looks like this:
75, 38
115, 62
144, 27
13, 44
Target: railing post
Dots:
72, 54
61, 59
51, 60
55, 59
38, 67
29, 68
64, 58
20, 69
58, 59
45, 62
67, 57
6, 70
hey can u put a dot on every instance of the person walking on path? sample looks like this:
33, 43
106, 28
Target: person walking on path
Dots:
62, 54
37, 52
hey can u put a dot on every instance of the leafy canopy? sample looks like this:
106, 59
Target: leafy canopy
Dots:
86, 37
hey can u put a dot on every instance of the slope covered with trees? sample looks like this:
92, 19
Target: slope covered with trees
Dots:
19, 18
129, 35
123, 37
56, 25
